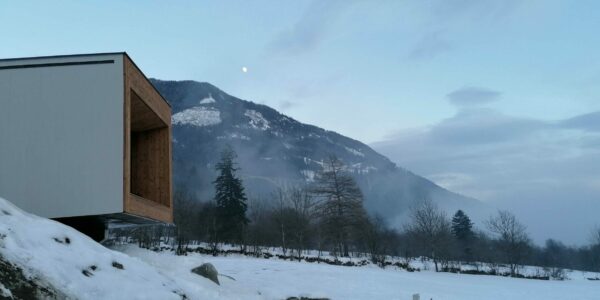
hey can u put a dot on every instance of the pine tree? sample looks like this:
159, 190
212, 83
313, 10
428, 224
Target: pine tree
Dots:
230, 200
462, 226
462, 229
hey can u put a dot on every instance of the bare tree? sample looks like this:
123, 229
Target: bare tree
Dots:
340, 203
431, 227
184, 218
512, 236
280, 217
302, 205
260, 229
374, 233
594, 250
595, 236
292, 212
207, 229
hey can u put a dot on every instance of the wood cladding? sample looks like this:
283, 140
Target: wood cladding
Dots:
149, 171
143, 117
150, 209
147, 148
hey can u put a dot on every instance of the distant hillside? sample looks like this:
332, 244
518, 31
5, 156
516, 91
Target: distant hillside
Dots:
276, 150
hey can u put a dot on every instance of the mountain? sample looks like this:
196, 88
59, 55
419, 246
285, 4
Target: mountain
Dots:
274, 150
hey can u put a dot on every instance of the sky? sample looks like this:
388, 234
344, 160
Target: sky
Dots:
498, 100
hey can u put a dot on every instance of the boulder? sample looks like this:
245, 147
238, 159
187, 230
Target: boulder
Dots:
209, 271
16, 284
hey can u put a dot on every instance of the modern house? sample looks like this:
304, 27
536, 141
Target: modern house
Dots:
85, 139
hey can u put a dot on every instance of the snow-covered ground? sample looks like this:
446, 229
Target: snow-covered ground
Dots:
279, 279
73, 266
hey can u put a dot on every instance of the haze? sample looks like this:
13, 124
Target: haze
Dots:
498, 100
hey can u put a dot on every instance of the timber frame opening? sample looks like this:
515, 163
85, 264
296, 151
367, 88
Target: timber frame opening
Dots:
147, 148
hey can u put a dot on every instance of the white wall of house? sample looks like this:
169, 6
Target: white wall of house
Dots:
61, 135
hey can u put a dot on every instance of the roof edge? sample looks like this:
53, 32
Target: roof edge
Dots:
146, 77
63, 56
124, 53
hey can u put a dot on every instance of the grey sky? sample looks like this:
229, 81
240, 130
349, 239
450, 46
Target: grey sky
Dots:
498, 100
548, 172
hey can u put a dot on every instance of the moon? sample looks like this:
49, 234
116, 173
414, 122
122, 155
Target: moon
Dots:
244, 69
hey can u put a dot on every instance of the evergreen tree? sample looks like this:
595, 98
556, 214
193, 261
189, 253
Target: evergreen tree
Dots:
462, 226
462, 231
230, 198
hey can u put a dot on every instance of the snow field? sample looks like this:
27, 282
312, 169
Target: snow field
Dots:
278, 279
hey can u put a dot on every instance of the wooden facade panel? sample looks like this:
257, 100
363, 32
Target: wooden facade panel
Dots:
149, 169
150, 209
144, 89
143, 117
147, 152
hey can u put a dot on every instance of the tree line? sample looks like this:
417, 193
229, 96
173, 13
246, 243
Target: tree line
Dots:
328, 215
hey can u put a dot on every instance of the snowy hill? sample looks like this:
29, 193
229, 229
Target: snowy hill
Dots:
275, 150
43, 259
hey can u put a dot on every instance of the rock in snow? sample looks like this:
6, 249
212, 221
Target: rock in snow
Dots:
209, 271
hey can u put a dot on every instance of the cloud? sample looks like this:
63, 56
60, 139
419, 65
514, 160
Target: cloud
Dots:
445, 18
285, 105
547, 172
588, 122
472, 95
310, 30
299, 88
473, 10
430, 46
482, 126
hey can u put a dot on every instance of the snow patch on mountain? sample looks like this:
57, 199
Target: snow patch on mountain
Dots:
354, 151
360, 168
309, 161
208, 100
234, 135
309, 175
286, 119
257, 120
197, 116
